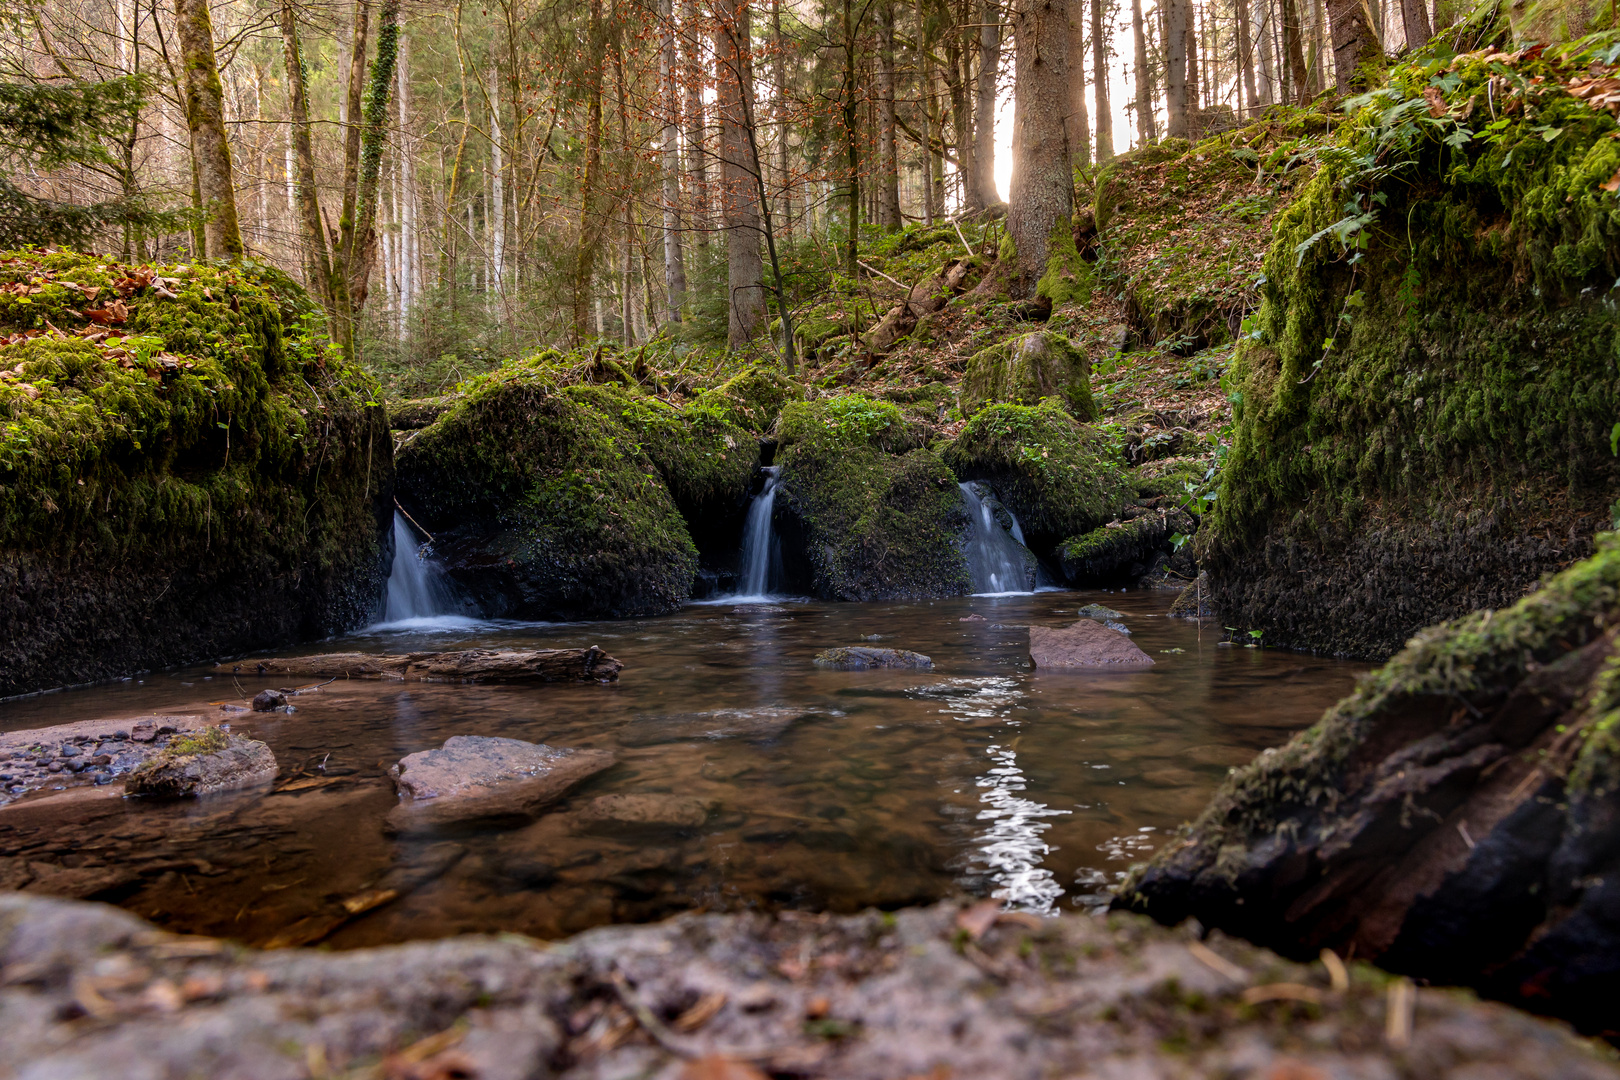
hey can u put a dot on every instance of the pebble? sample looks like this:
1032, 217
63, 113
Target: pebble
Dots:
55, 767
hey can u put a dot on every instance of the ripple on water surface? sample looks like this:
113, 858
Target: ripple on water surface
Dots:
747, 777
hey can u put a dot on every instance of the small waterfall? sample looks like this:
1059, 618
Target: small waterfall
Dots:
995, 559
761, 551
418, 587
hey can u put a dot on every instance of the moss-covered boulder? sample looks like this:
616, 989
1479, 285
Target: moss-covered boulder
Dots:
1456, 818
1122, 550
1026, 369
1059, 477
549, 500
181, 476
866, 511
1425, 407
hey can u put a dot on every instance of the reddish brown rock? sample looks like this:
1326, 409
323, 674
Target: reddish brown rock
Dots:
1086, 644
472, 777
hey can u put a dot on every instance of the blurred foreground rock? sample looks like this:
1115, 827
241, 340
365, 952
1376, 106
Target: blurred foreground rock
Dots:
88, 990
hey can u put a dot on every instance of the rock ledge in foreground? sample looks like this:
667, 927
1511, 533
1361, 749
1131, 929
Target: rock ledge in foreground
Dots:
473, 777
466, 666
1456, 818
873, 996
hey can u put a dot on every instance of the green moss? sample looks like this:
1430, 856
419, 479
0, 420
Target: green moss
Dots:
1454, 355
1059, 476
1025, 370
702, 456
1475, 660
1068, 278
875, 514
207, 741
751, 399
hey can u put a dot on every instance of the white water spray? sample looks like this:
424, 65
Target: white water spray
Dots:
761, 552
995, 559
418, 587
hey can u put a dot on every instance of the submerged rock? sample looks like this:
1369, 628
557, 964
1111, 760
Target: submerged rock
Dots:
1086, 644
203, 763
617, 812
1456, 818
762, 723
1025, 370
866, 511
932, 991
475, 776
462, 666
864, 658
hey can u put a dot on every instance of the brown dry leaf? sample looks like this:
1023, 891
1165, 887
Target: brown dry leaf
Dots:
1436, 100
718, 1067
1612, 183
978, 919
701, 1013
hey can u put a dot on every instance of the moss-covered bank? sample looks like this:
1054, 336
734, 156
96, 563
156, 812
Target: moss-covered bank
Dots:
1425, 401
181, 475
866, 511
1456, 818
557, 489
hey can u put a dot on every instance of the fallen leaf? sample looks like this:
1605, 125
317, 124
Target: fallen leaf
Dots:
978, 919
1612, 183
701, 1013
717, 1067
1436, 100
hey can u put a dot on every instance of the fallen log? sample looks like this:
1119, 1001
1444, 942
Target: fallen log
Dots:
927, 296
464, 666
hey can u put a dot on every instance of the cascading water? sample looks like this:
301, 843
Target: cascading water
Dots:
761, 551
418, 587
995, 559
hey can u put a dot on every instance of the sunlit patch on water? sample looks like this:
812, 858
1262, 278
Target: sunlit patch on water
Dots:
992, 698
1013, 846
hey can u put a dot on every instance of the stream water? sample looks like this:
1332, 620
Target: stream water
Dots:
774, 784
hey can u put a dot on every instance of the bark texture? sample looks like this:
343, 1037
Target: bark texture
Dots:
670, 151
1147, 123
205, 117
1079, 109
1177, 35
739, 169
888, 190
1099, 69
1041, 193
1356, 51
984, 108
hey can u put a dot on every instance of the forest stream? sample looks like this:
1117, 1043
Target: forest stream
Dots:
755, 780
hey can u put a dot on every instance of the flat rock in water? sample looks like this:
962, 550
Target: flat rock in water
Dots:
86, 752
655, 811
461, 666
476, 776
865, 658
894, 994
202, 764
766, 722
1086, 644
1098, 611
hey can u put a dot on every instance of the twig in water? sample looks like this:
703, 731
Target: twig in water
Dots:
414, 525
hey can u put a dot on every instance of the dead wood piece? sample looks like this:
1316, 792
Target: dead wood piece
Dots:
464, 666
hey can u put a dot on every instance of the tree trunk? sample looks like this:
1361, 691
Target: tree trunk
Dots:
779, 107
888, 190
1099, 66
205, 117
1041, 194
1294, 47
362, 253
961, 118
1175, 67
984, 108
697, 157
1195, 74
592, 218
852, 147
1246, 54
739, 172
1415, 20
1268, 60
926, 81
1357, 54
317, 264
1319, 47
1079, 131
670, 154
1147, 124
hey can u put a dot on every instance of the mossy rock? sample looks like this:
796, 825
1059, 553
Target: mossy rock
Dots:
1024, 370
417, 413
866, 512
1059, 477
1453, 443
1123, 550
1454, 818
752, 399
189, 481
545, 503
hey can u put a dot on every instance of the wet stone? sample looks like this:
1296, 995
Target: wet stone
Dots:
1086, 644
474, 777
863, 658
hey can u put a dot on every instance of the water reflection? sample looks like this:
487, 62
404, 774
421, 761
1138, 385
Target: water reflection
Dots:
1013, 847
